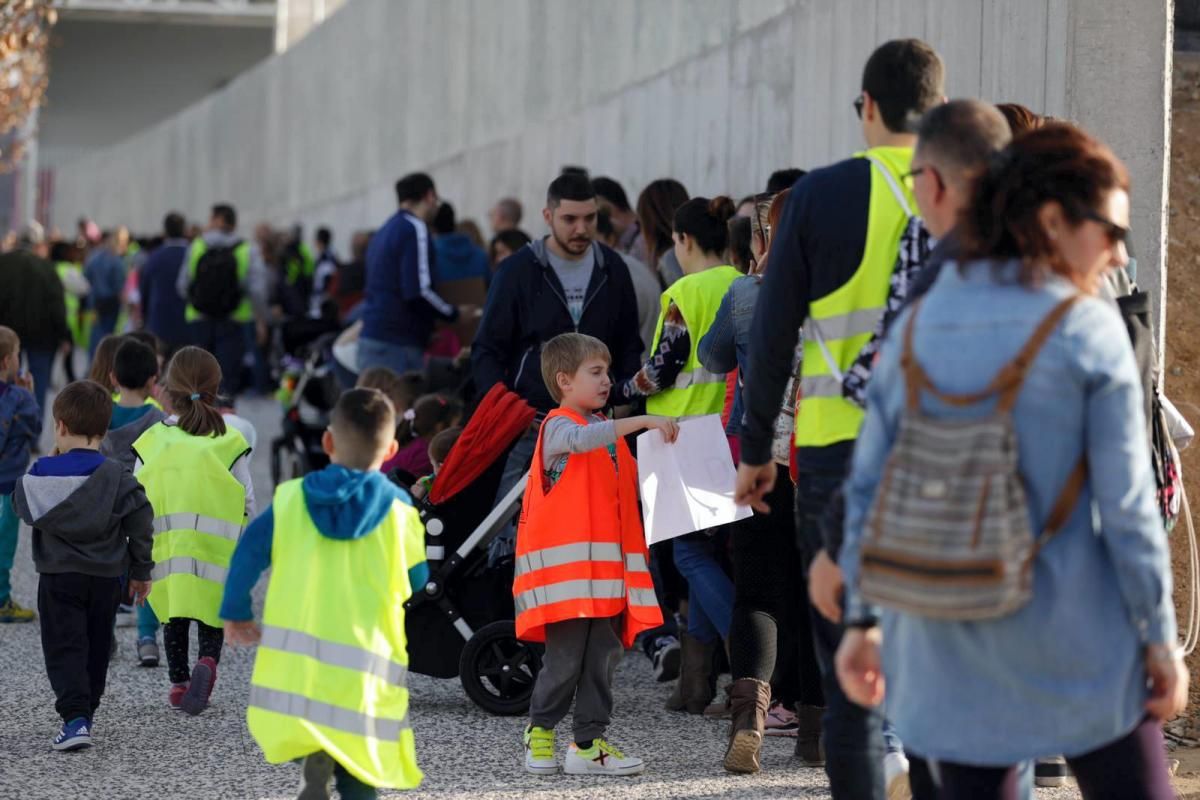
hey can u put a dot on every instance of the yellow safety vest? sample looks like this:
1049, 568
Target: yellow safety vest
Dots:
244, 312
79, 334
199, 514
840, 324
696, 391
330, 671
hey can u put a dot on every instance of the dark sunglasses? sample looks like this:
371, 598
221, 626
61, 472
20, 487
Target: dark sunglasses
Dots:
1117, 234
859, 102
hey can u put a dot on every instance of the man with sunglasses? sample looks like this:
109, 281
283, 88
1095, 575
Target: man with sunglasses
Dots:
831, 263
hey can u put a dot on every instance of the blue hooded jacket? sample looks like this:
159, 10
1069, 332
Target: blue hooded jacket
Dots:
344, 504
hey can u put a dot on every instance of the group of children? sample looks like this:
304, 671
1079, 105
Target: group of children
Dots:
151, 505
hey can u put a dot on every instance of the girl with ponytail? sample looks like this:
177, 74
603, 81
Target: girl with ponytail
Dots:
196, 473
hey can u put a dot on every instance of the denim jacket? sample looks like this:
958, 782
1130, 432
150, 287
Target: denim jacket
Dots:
726, 344
1065, 673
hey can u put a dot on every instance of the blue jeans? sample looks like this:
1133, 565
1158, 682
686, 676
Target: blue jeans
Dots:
147, 621
40, 364
853, 735
9, 524
399, 358
226, 340
710, 591
104, 325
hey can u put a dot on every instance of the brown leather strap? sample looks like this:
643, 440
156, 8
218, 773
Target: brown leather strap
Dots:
1059, 514
1007, 382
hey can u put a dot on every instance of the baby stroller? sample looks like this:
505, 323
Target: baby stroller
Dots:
461, 622
308, 391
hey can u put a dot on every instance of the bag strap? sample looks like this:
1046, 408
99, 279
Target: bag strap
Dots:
893, 185
1007, 382
1059, 514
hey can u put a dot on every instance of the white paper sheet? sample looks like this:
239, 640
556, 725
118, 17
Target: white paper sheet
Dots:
687, 486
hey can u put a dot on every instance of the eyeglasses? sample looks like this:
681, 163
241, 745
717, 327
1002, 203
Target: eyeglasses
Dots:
859, 102
1117, 234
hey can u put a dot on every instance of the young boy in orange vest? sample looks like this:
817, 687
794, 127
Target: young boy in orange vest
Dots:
582, 583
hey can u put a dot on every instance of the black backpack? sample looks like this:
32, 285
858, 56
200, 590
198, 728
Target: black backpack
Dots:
215, 290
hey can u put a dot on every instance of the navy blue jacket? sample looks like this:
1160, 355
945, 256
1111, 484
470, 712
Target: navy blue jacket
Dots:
162, 307
20, 427
401, 306
526, 308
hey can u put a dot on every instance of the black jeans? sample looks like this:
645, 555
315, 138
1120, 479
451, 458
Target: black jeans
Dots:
771, 634
1131, 768
77, 613
175, 641
853, 735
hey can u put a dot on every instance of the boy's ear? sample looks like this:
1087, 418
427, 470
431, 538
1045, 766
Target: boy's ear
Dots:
563, 380
112, 378
327, 443
393, 447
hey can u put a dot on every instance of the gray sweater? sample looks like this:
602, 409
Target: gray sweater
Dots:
99, 524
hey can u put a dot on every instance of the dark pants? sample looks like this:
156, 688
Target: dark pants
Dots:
1131, 768
41, 364
226, 340
348, 786
175, 641
580, 662
853, 735
105, 324
771, 634
77, 612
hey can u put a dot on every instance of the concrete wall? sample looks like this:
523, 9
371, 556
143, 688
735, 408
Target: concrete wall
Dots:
493, 96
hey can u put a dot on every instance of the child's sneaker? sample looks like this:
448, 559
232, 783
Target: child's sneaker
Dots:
11, 612
126, 618
175, 696
781, 721
204, 678
74, 735
147, 652
539, 751
665, 658
600, 759
316, 774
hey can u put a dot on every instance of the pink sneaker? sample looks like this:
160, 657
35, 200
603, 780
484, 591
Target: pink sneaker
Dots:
204, 678
781, 721
175, 696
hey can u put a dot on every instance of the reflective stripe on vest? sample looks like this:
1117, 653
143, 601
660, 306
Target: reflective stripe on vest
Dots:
318, 713
244, 311
568, 554
643, 597
335, 654
183, 565
200, 523
696, 391
563, 591
841, 323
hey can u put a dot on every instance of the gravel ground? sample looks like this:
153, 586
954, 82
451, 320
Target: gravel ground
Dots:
143, 750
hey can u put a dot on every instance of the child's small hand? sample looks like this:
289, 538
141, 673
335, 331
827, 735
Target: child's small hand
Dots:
25, 380
668, 425
140, 591
242, 634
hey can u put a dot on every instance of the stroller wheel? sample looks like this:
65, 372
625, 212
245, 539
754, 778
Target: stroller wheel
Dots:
497, 671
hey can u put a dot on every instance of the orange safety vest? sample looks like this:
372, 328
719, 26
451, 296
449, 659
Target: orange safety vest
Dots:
581, 552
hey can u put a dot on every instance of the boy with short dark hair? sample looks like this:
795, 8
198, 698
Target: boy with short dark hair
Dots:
135, 373
92, 524
20, 427
582, 582
348, 550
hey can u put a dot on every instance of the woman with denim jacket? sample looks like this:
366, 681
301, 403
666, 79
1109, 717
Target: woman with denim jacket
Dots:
1089, 667
770, 605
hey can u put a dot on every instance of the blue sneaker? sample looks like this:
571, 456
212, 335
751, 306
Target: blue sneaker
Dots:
74, 735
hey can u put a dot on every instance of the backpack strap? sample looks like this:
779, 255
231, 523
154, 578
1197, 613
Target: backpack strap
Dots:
1008, 381
1059, 514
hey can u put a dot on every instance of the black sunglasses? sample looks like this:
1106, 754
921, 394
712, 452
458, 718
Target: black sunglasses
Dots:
859, 102
1117, 234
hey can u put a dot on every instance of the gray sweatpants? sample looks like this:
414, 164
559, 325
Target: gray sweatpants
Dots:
581, 659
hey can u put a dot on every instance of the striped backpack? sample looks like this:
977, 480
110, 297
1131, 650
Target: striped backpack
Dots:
949, 534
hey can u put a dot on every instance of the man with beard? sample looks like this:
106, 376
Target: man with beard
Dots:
566, 282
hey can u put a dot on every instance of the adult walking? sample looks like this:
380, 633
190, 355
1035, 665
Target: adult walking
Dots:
832, 261
224, 282
401, 307
105, 273
164, 311
33, 305
1087, 663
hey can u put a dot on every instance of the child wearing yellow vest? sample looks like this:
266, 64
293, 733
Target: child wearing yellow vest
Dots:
196, 472
345, 548
582, 582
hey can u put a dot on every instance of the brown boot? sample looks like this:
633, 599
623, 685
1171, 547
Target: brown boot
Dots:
750, 699
699, 683
687, 645
809, 748
721, 707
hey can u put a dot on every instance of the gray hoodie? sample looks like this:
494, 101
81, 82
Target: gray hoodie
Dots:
118, 442
99, 524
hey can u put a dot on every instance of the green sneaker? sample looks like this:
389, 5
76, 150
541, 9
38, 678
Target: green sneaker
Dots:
600, 759
539, 751
11, 612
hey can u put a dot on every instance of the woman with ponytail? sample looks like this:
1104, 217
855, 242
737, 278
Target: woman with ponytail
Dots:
196, 472
675, 384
